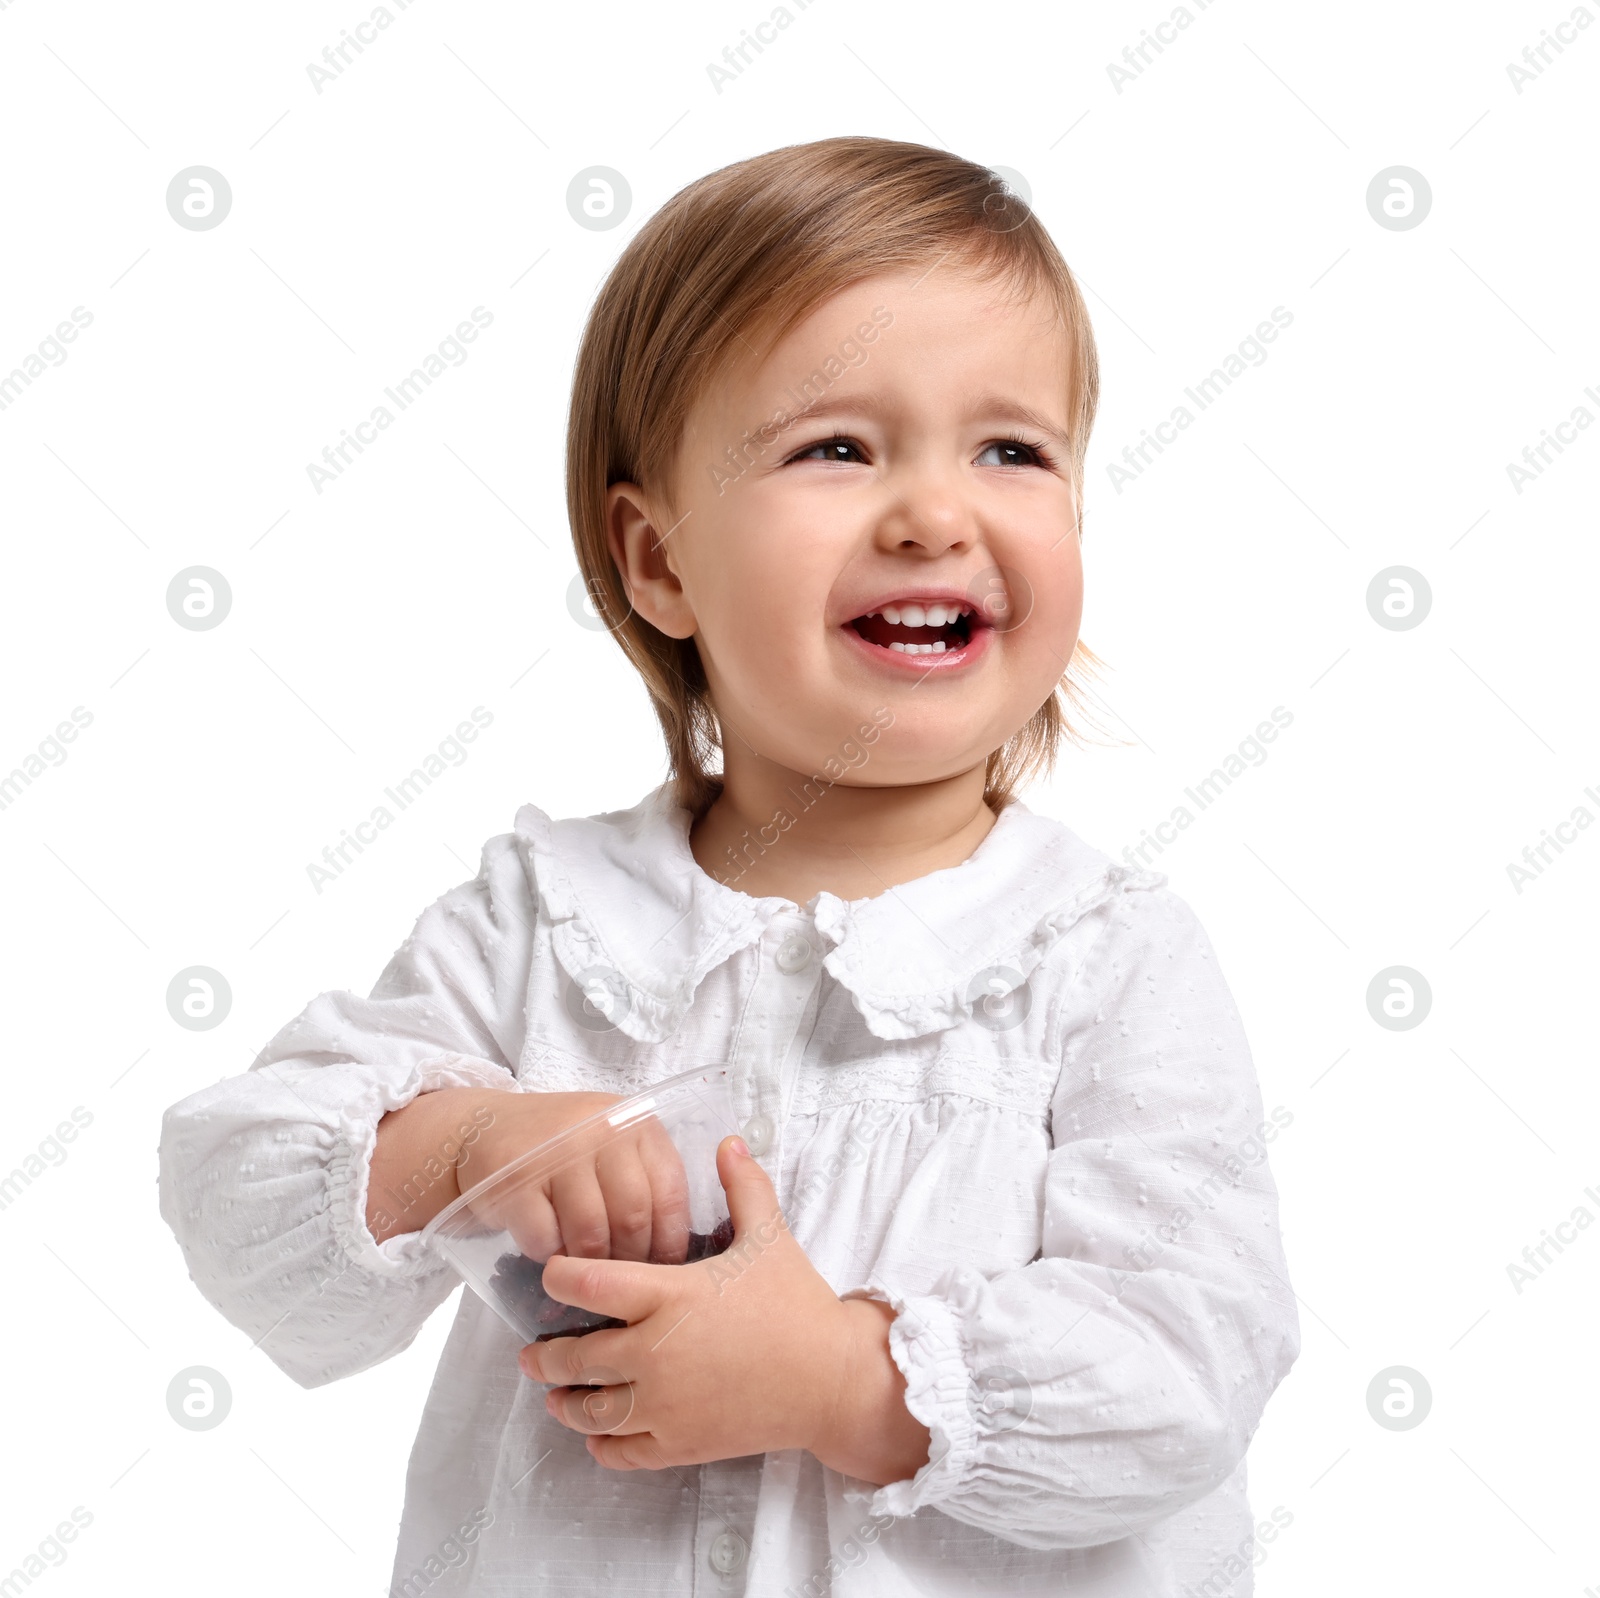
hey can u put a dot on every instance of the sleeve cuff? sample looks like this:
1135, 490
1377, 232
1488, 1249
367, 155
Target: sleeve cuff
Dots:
350, 1164
925, 1342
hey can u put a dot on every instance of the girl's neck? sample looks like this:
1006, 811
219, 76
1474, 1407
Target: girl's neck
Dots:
775, 833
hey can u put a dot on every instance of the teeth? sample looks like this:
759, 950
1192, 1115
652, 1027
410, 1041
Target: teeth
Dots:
908, 614
918, 649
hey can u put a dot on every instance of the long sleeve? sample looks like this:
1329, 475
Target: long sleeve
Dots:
1087, 1396
264, 1175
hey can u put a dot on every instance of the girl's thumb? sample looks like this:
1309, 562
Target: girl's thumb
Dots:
751, 1196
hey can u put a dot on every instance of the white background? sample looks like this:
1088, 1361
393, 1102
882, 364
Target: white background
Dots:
1229, 178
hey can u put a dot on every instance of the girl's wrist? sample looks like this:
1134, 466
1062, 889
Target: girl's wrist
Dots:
870, 1434
416, 1158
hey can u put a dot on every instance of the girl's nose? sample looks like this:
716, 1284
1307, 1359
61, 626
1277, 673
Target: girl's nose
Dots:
925, 512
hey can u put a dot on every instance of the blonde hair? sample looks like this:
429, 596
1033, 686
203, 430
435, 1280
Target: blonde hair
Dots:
751, 250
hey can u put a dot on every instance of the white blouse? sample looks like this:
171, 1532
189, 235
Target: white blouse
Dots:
1012, 1099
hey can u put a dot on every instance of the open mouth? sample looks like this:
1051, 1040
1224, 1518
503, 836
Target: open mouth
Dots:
910, 628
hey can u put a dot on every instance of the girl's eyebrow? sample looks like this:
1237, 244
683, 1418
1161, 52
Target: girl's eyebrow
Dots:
824, 405
980, 406
1001, 405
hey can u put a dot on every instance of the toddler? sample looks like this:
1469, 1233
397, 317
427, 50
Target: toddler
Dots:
1010, 1295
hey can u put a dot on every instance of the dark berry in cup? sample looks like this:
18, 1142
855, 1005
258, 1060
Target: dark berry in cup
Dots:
518, 1283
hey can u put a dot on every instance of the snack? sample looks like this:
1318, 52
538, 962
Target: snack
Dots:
491, 1234
518, 1283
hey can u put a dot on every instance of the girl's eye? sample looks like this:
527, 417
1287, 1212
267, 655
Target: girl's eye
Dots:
832, 449
1012, 452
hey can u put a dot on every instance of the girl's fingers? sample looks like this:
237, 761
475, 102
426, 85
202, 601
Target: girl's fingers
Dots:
626, 1290
599, 1411
628, 1200
669, 1193
581, 1211
533, 1225
638, 1452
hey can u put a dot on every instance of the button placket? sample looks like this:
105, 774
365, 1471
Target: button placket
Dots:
728, 1493
794, 954
758, 1133
728, 1552
787, 975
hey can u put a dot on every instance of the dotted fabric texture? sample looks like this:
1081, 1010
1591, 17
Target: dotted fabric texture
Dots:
1013, 1099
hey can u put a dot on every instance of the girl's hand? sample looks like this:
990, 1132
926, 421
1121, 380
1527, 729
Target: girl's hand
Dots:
744, 1353
623, 1198
628, 1200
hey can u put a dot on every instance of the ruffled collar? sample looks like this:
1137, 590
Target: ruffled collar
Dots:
628, 902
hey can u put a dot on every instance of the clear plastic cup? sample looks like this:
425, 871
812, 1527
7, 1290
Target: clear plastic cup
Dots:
694, 1111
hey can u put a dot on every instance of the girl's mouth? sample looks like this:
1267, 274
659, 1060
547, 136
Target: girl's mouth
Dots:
919, 629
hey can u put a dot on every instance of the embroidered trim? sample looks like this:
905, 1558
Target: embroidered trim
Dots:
716, 921
894, 1015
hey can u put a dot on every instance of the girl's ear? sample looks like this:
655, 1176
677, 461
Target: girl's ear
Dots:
639, 547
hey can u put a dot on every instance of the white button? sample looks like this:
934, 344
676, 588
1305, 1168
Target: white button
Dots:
794, 954
757, 1134
727, 1552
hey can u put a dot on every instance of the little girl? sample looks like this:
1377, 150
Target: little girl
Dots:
1010, 1296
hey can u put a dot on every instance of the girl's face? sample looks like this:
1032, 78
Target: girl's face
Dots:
873, 526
